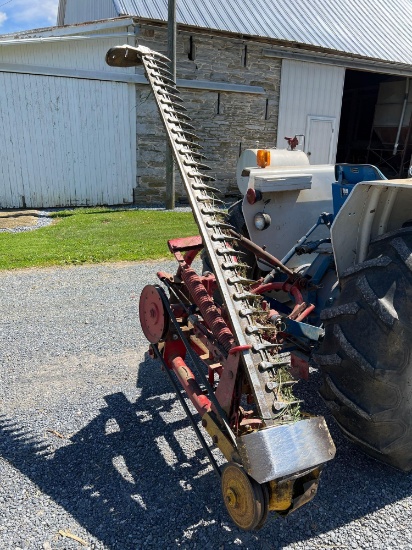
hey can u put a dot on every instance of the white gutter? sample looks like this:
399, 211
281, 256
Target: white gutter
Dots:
68, 30
48, 39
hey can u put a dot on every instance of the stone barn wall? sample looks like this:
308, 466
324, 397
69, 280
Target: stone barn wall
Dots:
225, 122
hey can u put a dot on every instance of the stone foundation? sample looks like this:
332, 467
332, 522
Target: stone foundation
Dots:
225, 122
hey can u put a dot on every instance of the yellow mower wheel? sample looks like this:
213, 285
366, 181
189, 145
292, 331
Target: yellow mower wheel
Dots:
245, 500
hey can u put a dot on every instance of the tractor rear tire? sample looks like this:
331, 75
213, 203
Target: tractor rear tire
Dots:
366, 355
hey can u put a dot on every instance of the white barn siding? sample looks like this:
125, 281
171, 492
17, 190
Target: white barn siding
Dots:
87, 52
66, 140
310, 104
79, 11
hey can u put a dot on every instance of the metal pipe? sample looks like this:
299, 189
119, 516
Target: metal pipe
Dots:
303, 315
186, 377
194, 357
263, 255
286, 287
187, 411
405, 101
300, 241
171, 53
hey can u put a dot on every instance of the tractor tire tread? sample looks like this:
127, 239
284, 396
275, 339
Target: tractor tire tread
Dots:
345, 309
383, 261
366, 355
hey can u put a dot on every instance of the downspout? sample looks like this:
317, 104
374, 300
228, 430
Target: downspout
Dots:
405, 101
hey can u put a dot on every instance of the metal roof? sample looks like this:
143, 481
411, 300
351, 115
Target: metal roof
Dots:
379, 29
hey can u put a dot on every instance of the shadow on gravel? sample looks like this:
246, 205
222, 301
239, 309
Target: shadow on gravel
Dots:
134, 477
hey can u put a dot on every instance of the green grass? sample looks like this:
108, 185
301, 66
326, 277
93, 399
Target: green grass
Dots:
92, 235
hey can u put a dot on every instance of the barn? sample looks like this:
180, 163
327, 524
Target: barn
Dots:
77, 132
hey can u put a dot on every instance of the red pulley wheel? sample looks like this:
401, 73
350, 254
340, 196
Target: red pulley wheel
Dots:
152, 313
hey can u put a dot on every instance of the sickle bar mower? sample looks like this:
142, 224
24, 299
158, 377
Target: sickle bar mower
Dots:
221, 324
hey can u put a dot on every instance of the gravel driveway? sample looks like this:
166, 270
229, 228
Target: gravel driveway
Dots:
94, 445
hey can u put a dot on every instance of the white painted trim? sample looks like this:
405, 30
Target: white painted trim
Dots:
68, 30
50, 39
348, 62
115, 76
313, 118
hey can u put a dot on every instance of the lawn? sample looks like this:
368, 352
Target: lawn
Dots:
92, 235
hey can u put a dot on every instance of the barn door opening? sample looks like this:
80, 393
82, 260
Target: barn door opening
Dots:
319, 139
376, 122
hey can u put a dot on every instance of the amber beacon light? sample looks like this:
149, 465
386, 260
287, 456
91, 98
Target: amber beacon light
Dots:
263, 158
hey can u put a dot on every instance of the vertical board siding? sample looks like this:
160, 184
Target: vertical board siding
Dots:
86, 53
66, 141
308, 89
79, 11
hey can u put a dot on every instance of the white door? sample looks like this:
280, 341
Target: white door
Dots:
308, 89
320, 133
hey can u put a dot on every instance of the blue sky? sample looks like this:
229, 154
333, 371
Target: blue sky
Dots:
19, 15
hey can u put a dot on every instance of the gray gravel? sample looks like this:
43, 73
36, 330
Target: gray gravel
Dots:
93, 443
43, 220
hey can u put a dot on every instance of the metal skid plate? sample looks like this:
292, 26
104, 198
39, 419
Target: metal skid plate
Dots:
283, 451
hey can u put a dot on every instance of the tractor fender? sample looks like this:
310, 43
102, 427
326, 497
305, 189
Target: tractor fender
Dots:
372, 209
